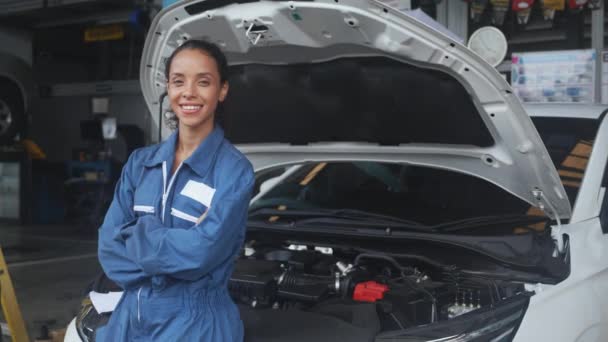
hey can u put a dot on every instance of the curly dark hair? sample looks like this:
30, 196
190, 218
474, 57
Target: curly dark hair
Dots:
206, 47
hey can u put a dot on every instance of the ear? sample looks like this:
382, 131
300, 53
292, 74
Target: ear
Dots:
224, 91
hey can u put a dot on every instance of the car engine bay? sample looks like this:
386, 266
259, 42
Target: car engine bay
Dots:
304, 293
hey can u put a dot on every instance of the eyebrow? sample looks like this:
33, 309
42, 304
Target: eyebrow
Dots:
200, 74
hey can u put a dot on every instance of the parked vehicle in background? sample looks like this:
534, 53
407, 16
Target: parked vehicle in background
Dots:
16, 82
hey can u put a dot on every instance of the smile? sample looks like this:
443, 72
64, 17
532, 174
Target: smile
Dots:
190, 108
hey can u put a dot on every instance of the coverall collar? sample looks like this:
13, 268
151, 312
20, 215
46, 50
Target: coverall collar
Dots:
200, 160
165, 151
204, 155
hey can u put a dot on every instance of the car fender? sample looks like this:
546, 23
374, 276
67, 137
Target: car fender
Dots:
577, 308
596, 332
71, 335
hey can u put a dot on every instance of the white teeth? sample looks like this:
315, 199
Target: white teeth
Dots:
191, 107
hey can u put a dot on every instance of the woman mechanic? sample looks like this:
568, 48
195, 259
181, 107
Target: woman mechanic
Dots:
177, 221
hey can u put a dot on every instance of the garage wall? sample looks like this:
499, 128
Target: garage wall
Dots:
55, 123
17, 43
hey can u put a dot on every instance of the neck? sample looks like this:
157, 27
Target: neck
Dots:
190, 138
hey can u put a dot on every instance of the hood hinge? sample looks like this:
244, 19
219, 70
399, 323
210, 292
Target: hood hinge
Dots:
545, 206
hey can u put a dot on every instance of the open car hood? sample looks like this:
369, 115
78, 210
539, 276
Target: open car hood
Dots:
358, 80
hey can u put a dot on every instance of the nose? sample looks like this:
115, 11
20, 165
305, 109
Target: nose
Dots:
189, 90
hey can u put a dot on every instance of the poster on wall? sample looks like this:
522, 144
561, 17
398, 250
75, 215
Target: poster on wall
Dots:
554, 76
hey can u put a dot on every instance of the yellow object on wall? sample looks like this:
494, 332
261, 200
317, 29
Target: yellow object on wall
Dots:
102, 33
32, 149
550, 6
558, 5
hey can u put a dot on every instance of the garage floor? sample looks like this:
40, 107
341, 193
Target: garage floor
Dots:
50, 267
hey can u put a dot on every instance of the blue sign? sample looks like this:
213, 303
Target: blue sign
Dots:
167, 3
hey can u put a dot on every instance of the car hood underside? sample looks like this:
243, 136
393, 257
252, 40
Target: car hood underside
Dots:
358, 80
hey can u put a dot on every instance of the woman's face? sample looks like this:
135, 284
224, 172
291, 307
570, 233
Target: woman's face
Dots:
194, 88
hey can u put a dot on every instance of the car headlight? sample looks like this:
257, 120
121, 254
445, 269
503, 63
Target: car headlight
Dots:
497, 323
88, 320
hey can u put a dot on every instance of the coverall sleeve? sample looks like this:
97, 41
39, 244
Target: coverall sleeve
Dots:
192, 253
112, 251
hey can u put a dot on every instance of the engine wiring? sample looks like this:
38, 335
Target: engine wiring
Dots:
406, 280
409, 289
397, 321
455, 276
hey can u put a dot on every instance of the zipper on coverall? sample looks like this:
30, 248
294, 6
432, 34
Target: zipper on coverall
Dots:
166, 190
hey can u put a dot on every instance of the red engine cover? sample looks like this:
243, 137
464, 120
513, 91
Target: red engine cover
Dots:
370, 291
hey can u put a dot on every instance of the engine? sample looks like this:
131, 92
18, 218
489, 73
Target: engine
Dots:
394, 294
269, 282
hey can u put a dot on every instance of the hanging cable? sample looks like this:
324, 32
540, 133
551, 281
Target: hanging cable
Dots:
160, 115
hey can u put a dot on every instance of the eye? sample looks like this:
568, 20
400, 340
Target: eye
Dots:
177, 82
204, 83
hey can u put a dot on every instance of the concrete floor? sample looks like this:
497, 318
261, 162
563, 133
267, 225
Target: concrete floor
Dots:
50, 266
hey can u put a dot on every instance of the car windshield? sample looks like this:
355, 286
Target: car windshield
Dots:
417, 194
569, 142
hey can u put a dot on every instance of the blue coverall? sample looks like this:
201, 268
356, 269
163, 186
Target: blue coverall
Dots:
174, 270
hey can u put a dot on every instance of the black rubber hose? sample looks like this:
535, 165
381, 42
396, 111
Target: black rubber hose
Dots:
390, 259
412, 285
160, 116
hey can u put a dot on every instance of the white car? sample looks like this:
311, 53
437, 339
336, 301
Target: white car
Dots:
403, 191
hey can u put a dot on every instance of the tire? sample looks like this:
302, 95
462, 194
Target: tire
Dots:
12, 112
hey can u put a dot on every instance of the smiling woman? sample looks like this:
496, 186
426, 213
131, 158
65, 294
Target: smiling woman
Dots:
178, 217
195, 69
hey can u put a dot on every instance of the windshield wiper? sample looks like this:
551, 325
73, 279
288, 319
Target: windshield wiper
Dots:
302, 217
482, 221
364, 218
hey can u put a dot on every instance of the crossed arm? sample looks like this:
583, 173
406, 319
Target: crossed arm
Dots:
133, 249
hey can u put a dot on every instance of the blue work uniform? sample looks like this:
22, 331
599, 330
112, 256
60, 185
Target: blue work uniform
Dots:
170, 241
